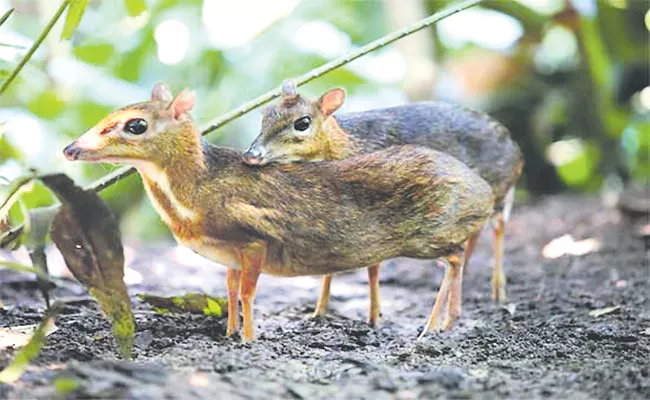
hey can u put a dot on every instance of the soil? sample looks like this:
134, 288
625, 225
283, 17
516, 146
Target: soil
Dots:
543, 343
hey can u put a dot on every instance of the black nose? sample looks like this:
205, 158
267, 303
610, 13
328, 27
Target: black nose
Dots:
253, 156
71, 152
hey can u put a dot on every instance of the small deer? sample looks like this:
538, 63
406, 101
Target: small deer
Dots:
296, 219
298, 129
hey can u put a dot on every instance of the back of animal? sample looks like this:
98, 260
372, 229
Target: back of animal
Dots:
472, 137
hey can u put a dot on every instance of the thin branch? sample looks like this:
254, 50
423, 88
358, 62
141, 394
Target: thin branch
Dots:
123, 172
322, 70
35, 46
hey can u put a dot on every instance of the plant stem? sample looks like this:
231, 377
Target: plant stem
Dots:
6, 16
322, 70
247, 107
35, 46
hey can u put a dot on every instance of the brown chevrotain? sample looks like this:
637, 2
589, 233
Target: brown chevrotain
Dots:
297, 219
298, 129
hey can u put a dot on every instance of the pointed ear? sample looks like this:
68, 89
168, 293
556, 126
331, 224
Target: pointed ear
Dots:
161, 92
289, 89
182, 104
331, 101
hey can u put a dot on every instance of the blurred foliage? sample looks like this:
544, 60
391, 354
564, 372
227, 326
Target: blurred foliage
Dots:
570, 86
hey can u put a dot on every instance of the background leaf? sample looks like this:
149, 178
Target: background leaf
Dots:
135, 7
9, 194
88, 236
197, 303
76, 11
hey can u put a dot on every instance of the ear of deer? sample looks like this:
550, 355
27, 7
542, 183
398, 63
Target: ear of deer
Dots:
183, 103
161, 92
289, 89
331, 101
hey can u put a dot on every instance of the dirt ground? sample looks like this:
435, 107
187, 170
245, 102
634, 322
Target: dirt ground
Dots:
542, 344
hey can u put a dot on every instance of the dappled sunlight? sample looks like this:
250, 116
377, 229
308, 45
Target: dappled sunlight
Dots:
233, 23
321, 38
485, 28
566, 245
173, 40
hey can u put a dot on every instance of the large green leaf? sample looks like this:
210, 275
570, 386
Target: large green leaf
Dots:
76, 11
88, 236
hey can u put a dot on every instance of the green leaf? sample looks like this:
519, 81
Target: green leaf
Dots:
95, 53
196, 303
88, 236
9, 194
76, 11
47, 105
135, 7
65, 385
14, 371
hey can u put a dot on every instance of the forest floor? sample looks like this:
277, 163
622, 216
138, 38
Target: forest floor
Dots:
543, 343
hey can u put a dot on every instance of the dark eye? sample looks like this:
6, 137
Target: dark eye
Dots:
302, 124
136, 126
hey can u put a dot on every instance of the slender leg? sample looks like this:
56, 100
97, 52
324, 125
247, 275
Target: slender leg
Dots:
324, 299
498, 275
441, 299
456, 291
252, 261
373, 285
232, 280
469, 249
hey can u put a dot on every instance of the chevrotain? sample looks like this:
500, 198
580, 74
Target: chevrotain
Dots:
296, 219
298, 129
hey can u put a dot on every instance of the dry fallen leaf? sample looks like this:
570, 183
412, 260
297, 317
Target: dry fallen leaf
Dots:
18, 336
603, 311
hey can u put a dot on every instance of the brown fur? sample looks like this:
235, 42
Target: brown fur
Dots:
471, 137
312, 218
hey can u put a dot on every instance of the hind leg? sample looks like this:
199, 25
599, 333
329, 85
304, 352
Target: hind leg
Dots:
324, 298
455, 307
232, 279
451, 272
469, 249
373, 286
498, 274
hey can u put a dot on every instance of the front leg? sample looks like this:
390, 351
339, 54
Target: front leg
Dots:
324, 299
373, 285
448, 295
232, 280
253, 258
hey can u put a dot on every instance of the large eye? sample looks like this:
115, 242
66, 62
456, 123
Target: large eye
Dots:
136, 126
302, 124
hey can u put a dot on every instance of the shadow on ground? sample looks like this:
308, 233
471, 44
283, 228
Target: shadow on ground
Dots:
541, 344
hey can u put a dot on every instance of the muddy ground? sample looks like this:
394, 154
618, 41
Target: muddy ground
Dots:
542, 344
